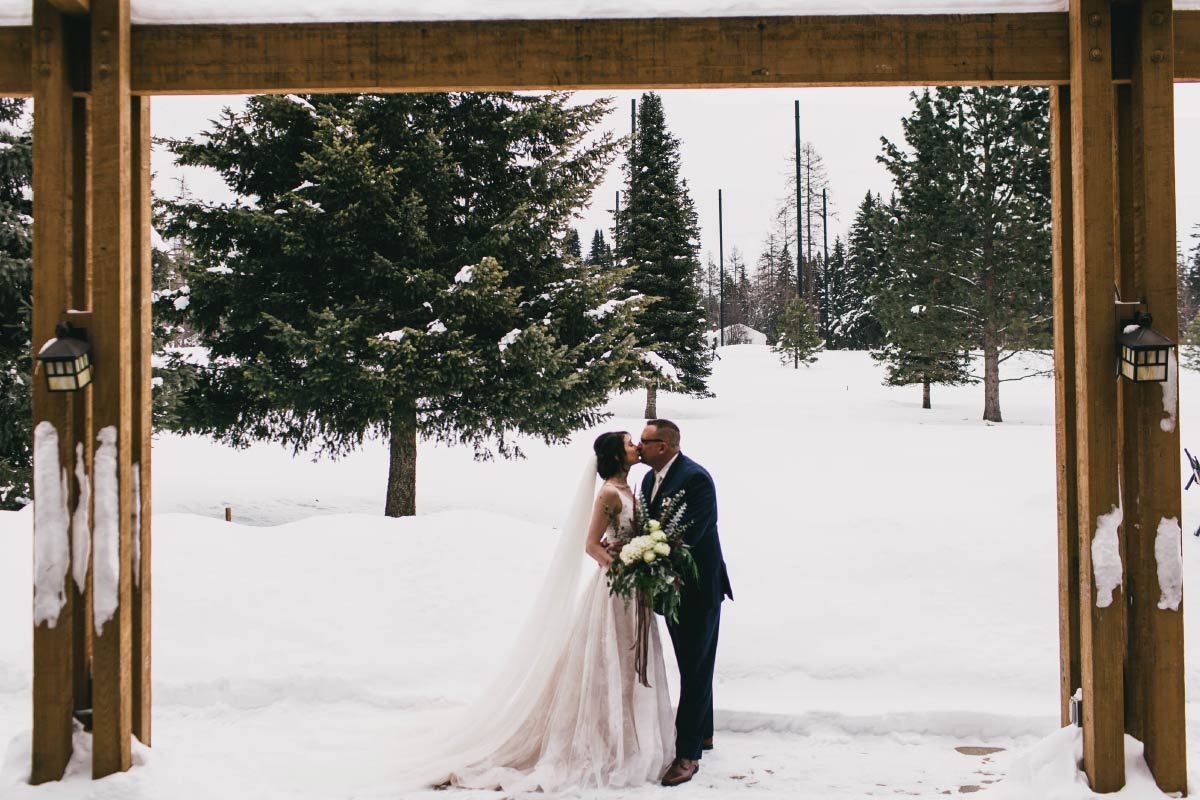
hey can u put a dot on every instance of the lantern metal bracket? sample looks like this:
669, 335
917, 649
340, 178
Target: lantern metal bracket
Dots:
1143, 319
79, 320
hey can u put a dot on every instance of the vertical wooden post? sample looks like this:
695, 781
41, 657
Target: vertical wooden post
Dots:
142, 422
112, 345
1064, 396
1156, 622
82, 291
1127, 429
53, 266
1102, 604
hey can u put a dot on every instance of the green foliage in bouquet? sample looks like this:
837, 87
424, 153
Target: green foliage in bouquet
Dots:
653, 562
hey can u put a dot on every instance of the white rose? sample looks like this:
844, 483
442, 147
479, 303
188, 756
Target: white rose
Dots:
654, 525
648, 556
662, 548
658, 536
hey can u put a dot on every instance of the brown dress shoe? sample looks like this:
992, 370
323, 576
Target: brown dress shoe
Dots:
680, 771
707, 744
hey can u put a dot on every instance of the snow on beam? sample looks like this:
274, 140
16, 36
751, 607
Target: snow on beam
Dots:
77, 7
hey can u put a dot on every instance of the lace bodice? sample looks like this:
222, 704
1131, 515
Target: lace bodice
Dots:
624, 521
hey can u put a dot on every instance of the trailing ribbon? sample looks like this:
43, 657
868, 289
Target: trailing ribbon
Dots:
641, 641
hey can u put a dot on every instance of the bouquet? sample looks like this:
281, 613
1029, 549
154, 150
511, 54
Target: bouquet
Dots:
652, 565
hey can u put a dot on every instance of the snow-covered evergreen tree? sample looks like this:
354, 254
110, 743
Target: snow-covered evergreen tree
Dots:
865, 273
973, 214
843, 300
799, 342
658, 237
16, 169
395, 266
1188, 280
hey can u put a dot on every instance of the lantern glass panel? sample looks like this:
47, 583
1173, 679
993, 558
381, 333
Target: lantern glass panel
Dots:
1156, 373
62, 384
1127, 370
84, 377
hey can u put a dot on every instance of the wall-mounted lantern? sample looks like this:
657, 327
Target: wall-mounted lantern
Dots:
67, 359
1143, 353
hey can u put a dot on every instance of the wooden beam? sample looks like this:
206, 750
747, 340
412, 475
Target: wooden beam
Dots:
16, 61
1129, 442
53, 265
1157, 660
140, 396
1187, 46
81, 290
602, 53
76, 7
1064, 396
112, 344
597, 54
1102, 612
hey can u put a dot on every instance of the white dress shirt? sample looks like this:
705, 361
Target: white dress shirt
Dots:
660, 476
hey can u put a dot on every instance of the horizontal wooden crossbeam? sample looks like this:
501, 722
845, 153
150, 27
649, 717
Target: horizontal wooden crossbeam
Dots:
596, 54
71, 6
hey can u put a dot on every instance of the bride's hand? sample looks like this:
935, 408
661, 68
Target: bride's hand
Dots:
601, 555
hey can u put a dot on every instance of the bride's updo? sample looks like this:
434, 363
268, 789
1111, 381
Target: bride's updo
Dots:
610, 453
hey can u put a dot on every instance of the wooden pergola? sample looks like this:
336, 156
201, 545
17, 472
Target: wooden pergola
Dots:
1110, 67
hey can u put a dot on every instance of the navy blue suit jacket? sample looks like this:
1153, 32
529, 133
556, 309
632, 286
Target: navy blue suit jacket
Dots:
700, 493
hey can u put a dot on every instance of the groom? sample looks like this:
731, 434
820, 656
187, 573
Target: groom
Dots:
674, 475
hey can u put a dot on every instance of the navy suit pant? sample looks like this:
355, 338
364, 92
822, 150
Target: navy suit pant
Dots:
695, 640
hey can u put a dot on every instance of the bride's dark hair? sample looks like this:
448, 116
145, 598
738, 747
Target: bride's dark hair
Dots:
610, 453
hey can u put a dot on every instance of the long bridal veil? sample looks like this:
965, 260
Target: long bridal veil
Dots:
497, 714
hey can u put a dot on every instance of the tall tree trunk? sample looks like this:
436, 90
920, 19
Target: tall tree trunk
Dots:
652, 401
925, 394
991, 375
402, 471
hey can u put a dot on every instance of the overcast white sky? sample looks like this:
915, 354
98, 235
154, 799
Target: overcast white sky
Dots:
738, 141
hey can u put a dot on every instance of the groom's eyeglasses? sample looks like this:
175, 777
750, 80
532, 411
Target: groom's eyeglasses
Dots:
649, 441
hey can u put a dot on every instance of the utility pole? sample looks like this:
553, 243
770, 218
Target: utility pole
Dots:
616, 223
799, 227
825, 270
721, 257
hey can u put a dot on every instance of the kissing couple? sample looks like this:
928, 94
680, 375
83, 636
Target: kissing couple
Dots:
568, 710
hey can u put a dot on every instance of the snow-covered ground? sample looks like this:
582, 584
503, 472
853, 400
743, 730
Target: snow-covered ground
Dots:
895, 572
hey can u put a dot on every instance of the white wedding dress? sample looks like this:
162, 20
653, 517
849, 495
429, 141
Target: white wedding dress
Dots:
577, 717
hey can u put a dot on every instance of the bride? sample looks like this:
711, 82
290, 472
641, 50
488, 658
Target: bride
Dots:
567, 711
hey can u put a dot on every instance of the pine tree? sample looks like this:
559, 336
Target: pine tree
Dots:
711, 291
866, 271
772, 287
921, 346
16, 169
600, 253
843, 300
974, 211
798, 341
572, 246
394, 266
1188, 280
658, 237
1190, 349
814, 179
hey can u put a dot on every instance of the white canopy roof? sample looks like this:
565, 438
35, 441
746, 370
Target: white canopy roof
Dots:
167, 12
